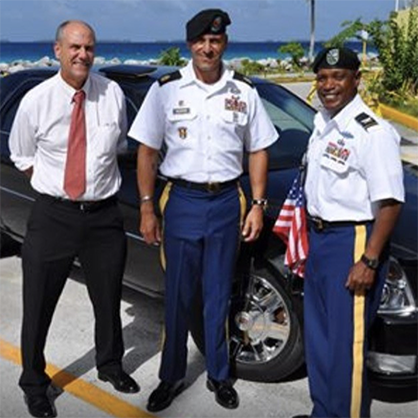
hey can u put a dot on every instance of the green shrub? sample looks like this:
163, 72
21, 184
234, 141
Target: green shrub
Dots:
171, 57
397, 45
295, 50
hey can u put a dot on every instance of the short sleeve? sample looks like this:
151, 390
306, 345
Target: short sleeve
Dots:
382, 165
148, 125
261, 132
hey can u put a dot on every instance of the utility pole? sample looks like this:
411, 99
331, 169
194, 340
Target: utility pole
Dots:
312, 38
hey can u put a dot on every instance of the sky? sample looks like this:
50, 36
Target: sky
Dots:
164, 20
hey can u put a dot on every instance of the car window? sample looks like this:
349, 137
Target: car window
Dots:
293, 120
9, 108
134, 98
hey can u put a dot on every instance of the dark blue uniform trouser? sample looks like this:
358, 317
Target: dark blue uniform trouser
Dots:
337, 321
200, 242
57, 232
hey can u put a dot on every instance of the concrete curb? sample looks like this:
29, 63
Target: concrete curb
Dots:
393, 114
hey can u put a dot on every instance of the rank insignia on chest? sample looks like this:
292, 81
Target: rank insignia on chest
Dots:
235, 105
182, 132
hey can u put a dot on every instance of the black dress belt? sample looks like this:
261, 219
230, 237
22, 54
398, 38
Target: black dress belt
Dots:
319, 224
84, 206
214, 187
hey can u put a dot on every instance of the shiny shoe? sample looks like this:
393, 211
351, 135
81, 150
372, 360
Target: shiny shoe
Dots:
165, 393
225, 394
40, 406
120, 380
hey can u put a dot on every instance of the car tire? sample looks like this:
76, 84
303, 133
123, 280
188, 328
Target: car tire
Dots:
265, 327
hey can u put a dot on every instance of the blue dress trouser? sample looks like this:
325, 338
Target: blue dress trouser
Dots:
337, 321
200, 242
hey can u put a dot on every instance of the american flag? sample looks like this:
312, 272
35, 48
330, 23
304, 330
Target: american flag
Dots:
291, 227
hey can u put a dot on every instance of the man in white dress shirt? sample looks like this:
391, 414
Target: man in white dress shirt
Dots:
65, 224
207, 116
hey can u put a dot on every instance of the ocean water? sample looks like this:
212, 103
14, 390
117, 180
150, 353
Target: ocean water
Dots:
33, 51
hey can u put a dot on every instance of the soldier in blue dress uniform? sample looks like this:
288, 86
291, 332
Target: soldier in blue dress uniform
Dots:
354, 191
207, 116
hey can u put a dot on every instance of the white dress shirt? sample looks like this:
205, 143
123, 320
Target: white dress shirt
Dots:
351, 168
39, 135
205, 127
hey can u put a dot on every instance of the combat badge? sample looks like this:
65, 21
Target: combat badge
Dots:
182, 132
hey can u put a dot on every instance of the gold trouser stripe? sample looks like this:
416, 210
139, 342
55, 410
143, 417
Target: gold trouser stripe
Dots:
358, 323
243, 204
243, 208
82, 389
163, 203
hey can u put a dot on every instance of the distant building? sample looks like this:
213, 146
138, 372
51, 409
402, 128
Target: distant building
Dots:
403, 15
404, 4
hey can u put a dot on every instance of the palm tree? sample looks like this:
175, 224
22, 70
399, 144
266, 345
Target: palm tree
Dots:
312, 38
171, 56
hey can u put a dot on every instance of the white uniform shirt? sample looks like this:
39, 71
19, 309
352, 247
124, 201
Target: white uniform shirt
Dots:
350, 168
39, 135
205, 127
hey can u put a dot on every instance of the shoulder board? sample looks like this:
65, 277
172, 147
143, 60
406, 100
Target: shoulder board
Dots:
365, 120
176, 75
243, 78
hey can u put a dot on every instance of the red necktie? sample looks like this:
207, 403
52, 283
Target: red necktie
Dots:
75, 167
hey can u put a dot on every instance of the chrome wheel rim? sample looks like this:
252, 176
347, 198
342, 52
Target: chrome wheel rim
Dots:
261, 323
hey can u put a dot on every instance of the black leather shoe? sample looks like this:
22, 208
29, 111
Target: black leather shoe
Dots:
40, 406
162, 397
225, 394
301, 416
120, 380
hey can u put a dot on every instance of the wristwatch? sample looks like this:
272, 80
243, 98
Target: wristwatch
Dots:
260, 202
371, 263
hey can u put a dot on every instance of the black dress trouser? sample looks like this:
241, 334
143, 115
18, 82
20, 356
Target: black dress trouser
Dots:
57, 232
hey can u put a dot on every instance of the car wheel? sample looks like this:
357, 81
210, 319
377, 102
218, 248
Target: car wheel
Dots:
265, 327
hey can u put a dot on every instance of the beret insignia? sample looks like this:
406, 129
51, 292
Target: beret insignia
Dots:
333, 55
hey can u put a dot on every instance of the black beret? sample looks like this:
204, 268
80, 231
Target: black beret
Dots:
213, 21
336, 58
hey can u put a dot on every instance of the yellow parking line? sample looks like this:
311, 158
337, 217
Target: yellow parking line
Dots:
80, 388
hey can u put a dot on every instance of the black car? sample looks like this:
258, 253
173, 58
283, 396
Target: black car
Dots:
266, 315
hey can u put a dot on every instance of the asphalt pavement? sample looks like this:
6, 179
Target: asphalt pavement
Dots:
70, 355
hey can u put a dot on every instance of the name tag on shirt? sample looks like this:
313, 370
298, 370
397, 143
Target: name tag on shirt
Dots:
181, 110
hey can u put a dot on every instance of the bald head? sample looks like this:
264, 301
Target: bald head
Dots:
60, 33
74, 48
